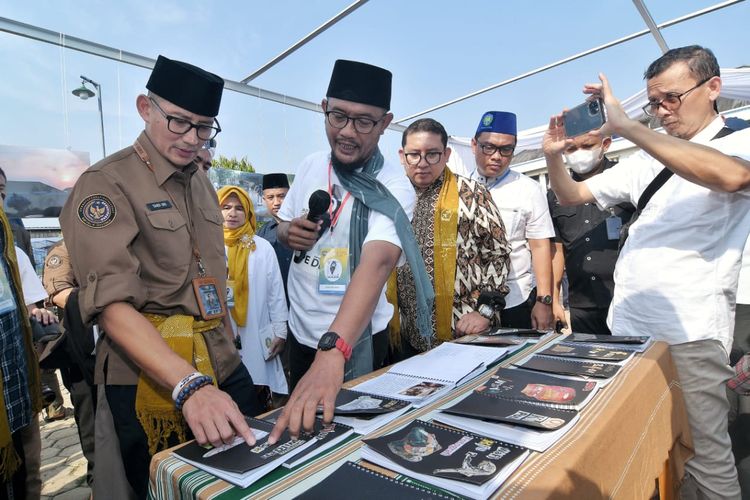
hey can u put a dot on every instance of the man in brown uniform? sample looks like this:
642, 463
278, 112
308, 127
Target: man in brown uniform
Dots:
59, 282
145, 240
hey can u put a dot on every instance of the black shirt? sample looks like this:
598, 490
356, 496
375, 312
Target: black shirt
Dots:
590, 255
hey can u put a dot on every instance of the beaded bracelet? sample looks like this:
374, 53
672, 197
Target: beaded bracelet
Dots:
183, 382
190, 388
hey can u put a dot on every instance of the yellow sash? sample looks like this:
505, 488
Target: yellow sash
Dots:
153, 404
445, 251
446, 233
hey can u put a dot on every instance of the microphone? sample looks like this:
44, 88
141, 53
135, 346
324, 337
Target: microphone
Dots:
318, 206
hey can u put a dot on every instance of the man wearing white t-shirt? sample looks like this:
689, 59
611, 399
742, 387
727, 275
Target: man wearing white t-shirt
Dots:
338, 314
528, 225
676, 276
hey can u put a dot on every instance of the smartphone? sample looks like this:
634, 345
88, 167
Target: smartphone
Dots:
584, 118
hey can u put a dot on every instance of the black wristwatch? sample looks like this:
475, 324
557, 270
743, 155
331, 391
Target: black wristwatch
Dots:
545, 299
331, 340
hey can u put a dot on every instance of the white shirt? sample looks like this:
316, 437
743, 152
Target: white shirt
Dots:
676, 277
743, 285
525, 213
266, 312
33, 290
311, 313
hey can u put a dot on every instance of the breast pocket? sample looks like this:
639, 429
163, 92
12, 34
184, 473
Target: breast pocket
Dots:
212, 215
512, 221
169, 240
565, 223
211, 234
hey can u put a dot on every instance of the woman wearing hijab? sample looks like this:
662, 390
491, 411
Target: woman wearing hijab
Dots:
255, 294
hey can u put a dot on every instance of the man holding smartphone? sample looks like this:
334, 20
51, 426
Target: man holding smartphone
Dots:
676, 276
525, 215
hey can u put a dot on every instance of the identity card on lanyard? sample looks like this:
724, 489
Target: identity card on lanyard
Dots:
206, 288
334, 273
614, 224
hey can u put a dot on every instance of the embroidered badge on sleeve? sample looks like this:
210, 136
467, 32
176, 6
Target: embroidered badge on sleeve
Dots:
54, 262
97, 211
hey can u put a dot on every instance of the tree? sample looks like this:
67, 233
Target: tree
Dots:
233, 163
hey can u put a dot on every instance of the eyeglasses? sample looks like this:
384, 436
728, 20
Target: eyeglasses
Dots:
432, 158
181, 126
490, 149
671, 102
339, 120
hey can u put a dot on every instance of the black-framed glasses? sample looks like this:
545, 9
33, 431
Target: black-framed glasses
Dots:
490, 149
670, 102
339, 120
431, 157
181, 126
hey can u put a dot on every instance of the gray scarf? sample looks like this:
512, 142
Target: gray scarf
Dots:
369, 193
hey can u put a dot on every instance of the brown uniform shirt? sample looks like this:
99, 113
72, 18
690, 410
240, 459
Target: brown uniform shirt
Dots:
58, 273
127, 230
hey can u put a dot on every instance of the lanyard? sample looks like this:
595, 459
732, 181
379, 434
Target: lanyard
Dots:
143, 155
335, 219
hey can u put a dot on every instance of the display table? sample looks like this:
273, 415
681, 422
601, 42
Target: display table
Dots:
634, 434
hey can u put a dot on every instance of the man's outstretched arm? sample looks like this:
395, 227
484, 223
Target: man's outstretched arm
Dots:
323, 380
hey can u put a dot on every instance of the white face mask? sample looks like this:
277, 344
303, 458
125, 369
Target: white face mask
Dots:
583, 161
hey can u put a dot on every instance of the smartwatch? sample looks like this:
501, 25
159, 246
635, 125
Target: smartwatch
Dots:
329, 340
545, 299
486, 311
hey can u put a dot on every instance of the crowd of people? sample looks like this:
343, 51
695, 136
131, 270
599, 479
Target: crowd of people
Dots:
199, 317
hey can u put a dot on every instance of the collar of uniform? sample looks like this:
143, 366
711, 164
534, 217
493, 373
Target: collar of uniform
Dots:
489, 181
708, 133
163, 168
484, 180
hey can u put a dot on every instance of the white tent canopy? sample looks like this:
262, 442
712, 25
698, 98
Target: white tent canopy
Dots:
277, 139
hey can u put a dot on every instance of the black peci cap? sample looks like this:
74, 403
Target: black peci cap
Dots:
272, 181
186, 86
360, 82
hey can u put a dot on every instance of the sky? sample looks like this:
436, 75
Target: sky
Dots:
437, 50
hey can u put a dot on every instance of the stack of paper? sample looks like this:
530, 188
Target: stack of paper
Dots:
425, 378
531, 425
469, 464
241, 464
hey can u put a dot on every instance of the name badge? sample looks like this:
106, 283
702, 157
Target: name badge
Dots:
333, 275
614, 224
159, 205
